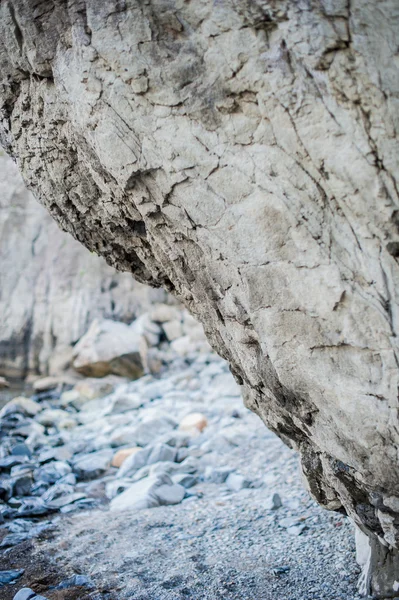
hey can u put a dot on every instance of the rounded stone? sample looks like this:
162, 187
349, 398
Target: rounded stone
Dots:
120, 456
193, 421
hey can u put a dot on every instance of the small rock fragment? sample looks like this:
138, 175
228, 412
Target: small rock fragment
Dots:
83, 504
274, 502
21, 404
46, 383
90, 388
124, 403
61, 453
296, 529
182, 454
52, 472
11, 461
12, 539
76, 580
170, 494
161, 313
123, 436
147, 456
293, 525
22, 485
193, 422
115, 487
4, 383
133, 463
173, 330
25, 594
183, 346
90, 466
8, 576
213, 475
120, 456
21, 450
177, 439
280, 570
161, 453
185, 479
32, 507
150, 430
236, 482
70, 397
65, 500
139, 495
15, 502
52, 416
149, 492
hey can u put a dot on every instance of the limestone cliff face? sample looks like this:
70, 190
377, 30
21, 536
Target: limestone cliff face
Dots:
244, 155
51, 288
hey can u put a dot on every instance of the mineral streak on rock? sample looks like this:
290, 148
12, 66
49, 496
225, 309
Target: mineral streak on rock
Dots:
244, 156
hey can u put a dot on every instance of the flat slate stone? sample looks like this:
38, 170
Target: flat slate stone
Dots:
8, 576
10, 461
65, 500
12, 539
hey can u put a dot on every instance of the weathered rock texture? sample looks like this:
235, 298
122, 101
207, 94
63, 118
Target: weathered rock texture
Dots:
243, 154
51, 288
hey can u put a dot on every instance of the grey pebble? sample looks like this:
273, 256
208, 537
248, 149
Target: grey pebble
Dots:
296, 529
22, 485
236, 482
274, 502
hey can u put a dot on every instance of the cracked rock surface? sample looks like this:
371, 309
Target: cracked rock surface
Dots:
244, 156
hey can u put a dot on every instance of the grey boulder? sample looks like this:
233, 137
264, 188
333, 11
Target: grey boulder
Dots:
109, 347
149, 492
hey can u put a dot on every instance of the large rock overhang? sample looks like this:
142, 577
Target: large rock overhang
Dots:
244, 156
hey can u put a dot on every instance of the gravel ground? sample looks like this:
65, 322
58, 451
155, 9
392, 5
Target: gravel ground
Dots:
225, 545
217, 543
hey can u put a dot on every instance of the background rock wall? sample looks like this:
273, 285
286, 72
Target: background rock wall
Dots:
51, 288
